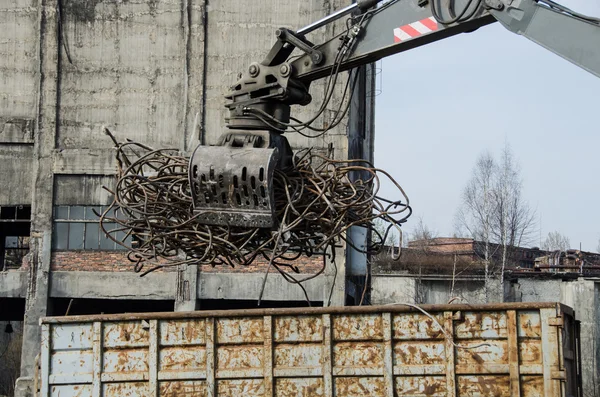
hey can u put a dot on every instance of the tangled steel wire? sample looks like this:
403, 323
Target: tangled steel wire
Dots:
315, 205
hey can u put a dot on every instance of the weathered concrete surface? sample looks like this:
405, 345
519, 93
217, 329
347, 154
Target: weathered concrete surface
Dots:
536, 290
16, 165
581, 295
42, 189
386, 290
16, 130
85, 162
186, 295
465, 291
107, 285
164, 286
13, 284
247, 287
79, 189
128, 71
412, 289
18, 66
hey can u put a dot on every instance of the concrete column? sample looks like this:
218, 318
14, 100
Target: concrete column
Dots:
43, 181
581, 295
186, 295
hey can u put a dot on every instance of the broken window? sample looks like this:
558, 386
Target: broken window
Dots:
15, 224
77, 227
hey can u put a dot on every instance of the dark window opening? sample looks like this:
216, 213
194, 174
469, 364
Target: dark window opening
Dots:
77, 227
13, 309
227, 304
15, 225
60, 306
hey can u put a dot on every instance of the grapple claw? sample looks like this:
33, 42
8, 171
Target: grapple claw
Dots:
231, 184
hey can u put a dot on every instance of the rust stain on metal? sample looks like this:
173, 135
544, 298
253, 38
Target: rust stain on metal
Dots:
185, 388
127, 389
182, 332
125, 334
421, 386
298, 329
530, 351
532, 385
362, 354
529, 324
129, 360
240, 330
416, 326
495, 352
239, 357
419, 353
365, 327
240, 387
485, 385
291, 387
482, 325
359, 387
298, 355
182, 359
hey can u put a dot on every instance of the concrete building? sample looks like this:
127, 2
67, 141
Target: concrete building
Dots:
154, 72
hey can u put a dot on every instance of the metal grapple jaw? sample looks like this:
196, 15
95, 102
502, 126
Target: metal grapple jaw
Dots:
232, 184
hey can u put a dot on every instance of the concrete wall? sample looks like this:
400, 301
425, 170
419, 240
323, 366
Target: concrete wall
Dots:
386, 290
125, 68
406, 288
13, 284
18, 97
19, 67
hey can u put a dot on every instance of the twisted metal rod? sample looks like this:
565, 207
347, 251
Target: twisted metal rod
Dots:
315, 206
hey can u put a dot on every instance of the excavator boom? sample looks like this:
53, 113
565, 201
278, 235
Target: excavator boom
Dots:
259, 103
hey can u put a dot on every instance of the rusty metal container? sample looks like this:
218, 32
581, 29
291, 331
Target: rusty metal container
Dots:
521, 349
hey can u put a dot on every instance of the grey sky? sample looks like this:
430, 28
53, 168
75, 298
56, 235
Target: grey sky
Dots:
442, 105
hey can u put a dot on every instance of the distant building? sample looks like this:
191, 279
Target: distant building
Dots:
445, 255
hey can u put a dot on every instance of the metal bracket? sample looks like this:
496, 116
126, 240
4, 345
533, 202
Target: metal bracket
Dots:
494, 4
290, 37
558, 374
556, 322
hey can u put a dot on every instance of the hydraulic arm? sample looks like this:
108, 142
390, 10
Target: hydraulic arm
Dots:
232, 185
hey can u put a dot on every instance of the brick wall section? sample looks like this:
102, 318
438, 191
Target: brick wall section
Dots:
306, 265
116, 261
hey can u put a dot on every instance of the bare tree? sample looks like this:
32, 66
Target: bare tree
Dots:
493, 210
513, 219
475, 216
556, 241
422, 232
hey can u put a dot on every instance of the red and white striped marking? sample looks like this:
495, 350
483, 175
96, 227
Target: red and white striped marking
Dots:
415, 29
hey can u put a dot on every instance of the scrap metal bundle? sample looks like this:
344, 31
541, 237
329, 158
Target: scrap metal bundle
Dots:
314, 206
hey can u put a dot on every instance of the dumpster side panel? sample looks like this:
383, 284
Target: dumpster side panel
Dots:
381, 351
